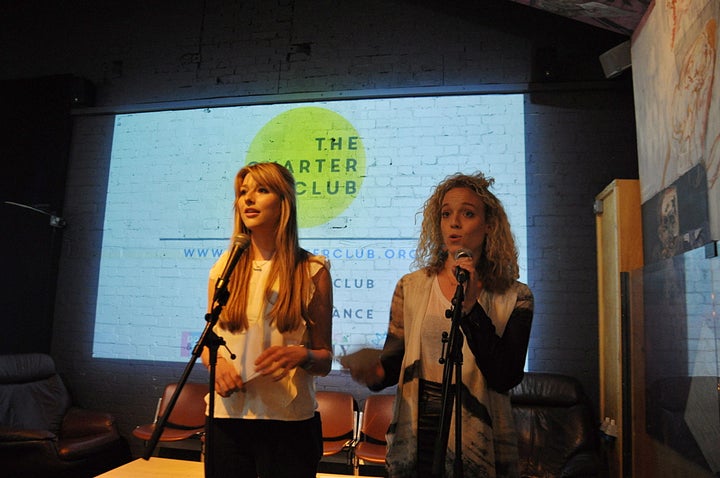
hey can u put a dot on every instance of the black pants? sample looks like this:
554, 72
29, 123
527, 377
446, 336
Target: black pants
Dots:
429, 413
265, 448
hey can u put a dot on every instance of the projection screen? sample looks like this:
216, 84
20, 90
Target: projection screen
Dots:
363, 169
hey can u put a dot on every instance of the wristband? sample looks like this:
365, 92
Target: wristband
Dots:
309, 360
309, 357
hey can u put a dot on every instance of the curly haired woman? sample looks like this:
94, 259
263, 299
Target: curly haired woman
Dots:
461, 215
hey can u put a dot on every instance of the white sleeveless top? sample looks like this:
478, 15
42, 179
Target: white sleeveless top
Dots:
290, 398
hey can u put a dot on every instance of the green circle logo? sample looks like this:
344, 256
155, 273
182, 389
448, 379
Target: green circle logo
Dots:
325, 154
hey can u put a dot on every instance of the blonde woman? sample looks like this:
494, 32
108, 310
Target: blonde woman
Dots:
277, 324
461, 215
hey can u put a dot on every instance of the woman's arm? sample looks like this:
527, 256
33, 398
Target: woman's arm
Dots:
500, 359
378, 369
394, 348
319, 356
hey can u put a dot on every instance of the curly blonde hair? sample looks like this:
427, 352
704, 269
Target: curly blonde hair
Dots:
498, 267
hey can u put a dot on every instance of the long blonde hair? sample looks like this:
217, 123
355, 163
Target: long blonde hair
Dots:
498, 265
290, 263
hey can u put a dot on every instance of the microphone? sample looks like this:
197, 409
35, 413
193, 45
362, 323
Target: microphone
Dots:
461, 275
240, 243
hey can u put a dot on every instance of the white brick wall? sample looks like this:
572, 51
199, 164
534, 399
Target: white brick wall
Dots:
193, 50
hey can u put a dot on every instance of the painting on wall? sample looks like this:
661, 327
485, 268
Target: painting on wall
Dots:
676, 219
676, 75
677, 85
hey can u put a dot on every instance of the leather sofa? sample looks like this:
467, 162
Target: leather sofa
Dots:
557, 429
43, 433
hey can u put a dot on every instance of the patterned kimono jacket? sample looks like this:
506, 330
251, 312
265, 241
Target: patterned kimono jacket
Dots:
496, 332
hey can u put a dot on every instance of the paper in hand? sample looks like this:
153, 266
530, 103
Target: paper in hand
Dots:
362, 359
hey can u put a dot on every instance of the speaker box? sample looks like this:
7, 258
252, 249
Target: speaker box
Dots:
616, 60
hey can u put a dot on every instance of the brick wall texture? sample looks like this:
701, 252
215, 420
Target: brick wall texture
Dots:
579, 132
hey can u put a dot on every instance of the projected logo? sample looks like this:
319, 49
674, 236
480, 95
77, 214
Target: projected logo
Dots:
325, 154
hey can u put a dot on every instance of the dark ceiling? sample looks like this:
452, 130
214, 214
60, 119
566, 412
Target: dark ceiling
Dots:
620, 16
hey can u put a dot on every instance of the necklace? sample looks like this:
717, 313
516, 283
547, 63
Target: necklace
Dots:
257, 266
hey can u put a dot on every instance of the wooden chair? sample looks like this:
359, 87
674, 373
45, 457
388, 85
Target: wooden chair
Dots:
338, 412
371, 444
185, 426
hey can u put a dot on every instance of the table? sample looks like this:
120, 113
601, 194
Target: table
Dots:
157, 467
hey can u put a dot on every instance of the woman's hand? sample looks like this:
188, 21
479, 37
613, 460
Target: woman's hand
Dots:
365, 366
227, 380
473, 286
278, 360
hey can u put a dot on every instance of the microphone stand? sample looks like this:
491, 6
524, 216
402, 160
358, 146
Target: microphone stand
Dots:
452, 360
212, 341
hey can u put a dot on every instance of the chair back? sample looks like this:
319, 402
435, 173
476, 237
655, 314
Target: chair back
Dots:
371, 446
32, 393
377, 415
187, 419
189, 410
555, 421
338, 413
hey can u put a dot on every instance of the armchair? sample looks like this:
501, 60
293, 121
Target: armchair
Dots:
42, 433
557, 433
